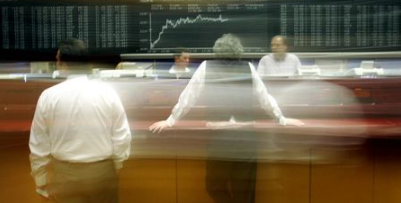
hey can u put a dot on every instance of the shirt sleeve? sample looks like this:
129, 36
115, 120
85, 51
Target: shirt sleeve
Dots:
262, 67
121, 134
189, 96
39, 144
297, 65
267, 102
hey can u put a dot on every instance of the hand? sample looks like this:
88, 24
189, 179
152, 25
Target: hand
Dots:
294, 122
45, 196
42, 192
158, 126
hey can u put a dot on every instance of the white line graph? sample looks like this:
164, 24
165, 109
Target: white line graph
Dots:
174, 24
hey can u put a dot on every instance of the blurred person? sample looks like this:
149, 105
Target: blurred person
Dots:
180, 68
228, 86
181, 62
79, 136
279, 62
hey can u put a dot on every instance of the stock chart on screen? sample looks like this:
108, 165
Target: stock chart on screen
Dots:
161, 26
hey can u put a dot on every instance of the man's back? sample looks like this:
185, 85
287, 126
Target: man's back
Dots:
81, 113
80, 128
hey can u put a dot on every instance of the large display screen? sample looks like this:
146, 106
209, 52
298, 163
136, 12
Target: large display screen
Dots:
161, 26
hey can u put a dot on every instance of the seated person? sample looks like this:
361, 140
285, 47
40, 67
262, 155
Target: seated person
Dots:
279, 62
179, 70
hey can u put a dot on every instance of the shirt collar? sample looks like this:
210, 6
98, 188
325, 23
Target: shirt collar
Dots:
174, 69
285, 56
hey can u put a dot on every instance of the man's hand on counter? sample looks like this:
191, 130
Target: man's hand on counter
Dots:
158, 126
294, 122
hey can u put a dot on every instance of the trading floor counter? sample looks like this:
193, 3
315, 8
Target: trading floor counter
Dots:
347, 151
148, 100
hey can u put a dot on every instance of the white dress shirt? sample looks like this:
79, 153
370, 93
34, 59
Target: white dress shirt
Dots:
286, 67
178, 72
195, 86
78, 120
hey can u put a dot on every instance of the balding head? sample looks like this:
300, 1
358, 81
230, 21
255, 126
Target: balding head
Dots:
279, 46
281, 39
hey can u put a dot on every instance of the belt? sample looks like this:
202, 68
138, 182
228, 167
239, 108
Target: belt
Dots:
79, 163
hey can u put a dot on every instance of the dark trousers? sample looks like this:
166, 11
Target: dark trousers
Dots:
231, 167
84, 182
231, 181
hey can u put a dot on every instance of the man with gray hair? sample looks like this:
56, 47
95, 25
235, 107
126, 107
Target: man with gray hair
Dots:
228, 88
279, 62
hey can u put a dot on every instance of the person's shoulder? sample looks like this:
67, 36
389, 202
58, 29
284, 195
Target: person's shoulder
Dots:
292, 56
104, 90
101, 85
49, 93
53, 89
267, 57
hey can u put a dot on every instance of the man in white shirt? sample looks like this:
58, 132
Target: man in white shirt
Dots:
228, 86
179, 69
279, 62
80, 130
181, 61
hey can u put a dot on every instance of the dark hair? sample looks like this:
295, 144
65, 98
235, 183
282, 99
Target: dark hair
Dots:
178, 52
73, 50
